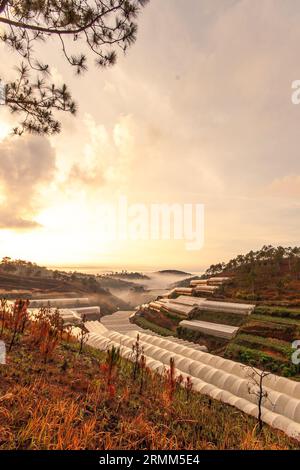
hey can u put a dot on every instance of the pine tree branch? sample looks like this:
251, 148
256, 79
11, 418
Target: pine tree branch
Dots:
41, 29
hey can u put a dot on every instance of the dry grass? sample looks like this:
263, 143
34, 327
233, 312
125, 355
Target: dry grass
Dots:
95, 400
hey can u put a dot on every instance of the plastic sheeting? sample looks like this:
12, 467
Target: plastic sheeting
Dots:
229, 307
88, 310
59, 303
219, 378
68, 316
211, 329
191, 301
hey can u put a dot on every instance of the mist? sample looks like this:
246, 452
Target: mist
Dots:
157, 284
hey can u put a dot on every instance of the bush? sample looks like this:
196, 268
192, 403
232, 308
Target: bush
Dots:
261, 360
281, 312
146, 324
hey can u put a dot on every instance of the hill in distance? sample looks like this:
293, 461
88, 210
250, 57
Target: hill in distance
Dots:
268, 278
174, 272
23, 279
270, 275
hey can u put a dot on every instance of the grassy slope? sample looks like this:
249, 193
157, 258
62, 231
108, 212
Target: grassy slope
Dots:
12, 286
161, 319
146, 324
265, 340
267, 286
65, 404
275, 287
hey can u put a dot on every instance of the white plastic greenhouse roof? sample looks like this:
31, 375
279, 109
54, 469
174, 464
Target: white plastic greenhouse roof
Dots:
170, 306
206, 288
192, 301
185, 304
59, 303
230, 307
87, 310
68, 316
220, 378
212, 329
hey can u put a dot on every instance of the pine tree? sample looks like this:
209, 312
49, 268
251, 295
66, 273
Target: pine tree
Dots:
82, 28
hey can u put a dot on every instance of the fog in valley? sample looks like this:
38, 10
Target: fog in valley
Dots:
157, 284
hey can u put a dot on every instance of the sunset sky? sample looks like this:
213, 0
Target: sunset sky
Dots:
198, 111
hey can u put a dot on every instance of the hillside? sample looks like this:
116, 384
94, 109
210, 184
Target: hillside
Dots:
56, 398
25, 279
185, 282
269, 278
127, 275
264, 339
173, 272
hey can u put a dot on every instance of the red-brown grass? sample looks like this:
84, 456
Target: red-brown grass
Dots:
94, 401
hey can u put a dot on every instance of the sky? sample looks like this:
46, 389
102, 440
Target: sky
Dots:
199, 111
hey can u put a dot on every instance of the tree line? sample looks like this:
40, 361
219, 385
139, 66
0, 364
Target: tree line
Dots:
270, 259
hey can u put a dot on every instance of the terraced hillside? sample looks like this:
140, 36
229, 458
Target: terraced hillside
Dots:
179, 363
269, 278
270, 275
28, 286
67, 404
222, 379
265, 340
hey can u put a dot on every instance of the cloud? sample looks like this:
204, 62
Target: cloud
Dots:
287, 187
106, 154
27, 165
13, 222
82, 176
201, 114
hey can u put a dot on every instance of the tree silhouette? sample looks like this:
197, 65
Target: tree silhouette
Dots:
268, 260
99, 27
256, 388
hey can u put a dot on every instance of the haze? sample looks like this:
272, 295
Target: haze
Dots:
199, 111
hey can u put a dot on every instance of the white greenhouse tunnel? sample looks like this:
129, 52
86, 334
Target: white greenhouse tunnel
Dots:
220, 378
59, 303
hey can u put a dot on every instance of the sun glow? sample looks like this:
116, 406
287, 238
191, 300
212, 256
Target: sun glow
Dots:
4, 130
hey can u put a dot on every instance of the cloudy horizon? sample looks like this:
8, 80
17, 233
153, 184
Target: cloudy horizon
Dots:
198, 111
